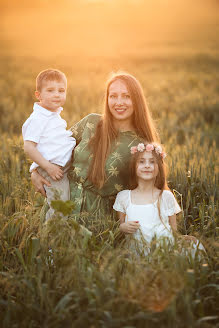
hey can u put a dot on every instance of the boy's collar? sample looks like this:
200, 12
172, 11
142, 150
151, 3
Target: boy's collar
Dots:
45, 111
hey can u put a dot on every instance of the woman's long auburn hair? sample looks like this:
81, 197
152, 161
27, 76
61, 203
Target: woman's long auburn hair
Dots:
106, 132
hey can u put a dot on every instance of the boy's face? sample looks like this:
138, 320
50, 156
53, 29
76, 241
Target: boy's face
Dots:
52, 95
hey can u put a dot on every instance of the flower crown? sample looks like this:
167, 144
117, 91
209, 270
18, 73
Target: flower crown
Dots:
149, 147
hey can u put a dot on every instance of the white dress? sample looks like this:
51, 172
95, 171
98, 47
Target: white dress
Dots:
151, 225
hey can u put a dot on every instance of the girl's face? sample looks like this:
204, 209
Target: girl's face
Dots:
119, 101
147, 167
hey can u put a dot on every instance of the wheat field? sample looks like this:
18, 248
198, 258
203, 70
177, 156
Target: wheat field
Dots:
78, 273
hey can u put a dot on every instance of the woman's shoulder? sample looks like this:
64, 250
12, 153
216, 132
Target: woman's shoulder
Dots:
90, 118
88, 122
91, 121
93, 117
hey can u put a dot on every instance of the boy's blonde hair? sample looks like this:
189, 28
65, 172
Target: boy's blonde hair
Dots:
49, 75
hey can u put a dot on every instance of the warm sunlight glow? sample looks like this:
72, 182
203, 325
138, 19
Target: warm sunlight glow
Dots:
105, 27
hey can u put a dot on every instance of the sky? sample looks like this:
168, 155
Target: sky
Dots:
106, 27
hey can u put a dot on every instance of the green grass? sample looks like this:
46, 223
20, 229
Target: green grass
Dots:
93, 280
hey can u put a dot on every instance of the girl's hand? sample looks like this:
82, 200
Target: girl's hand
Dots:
38, 181
54, 171
129, 227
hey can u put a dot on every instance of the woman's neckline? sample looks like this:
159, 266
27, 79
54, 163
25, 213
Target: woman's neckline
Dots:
127, 131
130, 199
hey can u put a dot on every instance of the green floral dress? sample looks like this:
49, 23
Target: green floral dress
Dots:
87, 197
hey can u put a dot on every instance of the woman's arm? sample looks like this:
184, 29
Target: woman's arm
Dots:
127, 227
38, 181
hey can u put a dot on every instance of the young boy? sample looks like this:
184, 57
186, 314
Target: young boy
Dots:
46, 140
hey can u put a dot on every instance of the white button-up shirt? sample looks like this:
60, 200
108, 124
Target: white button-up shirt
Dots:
48, 130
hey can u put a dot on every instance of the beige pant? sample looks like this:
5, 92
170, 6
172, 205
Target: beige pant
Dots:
59, 189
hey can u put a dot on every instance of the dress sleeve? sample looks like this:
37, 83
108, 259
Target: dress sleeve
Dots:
121, 202
33, 128
88, 121
169, 204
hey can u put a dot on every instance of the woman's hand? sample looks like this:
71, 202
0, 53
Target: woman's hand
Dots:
38, 181
129, 227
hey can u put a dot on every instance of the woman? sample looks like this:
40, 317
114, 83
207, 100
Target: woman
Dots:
102, 154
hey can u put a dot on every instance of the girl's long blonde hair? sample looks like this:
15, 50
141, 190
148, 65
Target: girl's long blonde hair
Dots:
106, 132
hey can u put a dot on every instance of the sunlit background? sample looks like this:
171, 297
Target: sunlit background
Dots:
106, 28
172, 47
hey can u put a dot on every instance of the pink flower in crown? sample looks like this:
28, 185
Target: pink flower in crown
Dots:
141, 147
149, 147
134, 150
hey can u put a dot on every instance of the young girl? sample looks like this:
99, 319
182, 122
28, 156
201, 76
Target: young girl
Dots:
149, 209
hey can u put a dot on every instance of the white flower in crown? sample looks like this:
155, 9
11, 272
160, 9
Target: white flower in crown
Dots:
163, 155
149, 147
158, 149
141, 147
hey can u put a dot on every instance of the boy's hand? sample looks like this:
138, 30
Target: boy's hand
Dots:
54, 171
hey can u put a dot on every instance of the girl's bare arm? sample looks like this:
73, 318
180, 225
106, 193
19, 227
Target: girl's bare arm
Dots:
127, 227
173, 224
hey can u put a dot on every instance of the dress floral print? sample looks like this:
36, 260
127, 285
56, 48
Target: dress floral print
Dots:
87, 197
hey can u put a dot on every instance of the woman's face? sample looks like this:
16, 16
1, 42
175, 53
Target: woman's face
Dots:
119, 101
147, 167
